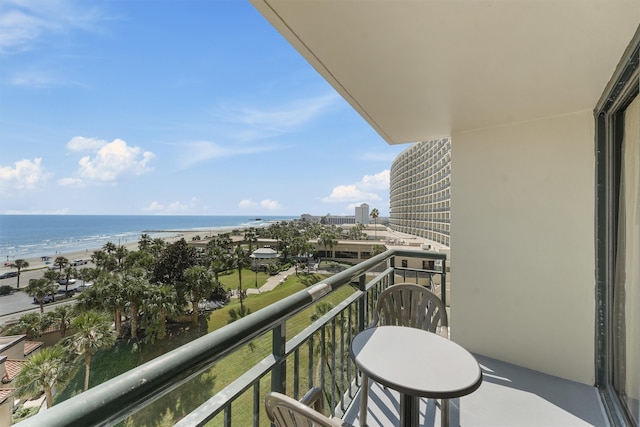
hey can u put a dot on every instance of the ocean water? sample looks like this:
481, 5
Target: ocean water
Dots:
30, 236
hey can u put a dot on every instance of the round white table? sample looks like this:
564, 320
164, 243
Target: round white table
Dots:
417, 364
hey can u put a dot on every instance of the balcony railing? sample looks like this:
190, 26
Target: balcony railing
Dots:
316, 356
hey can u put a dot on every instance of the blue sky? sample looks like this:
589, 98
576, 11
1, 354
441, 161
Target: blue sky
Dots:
173, 107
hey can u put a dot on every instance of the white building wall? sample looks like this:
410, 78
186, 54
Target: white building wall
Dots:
522, 236
362, 214
419, 191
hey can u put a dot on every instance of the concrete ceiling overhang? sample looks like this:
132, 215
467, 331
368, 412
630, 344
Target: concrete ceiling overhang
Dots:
422, 69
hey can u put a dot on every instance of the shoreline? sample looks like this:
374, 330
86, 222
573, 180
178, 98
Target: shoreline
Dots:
37, 262
30, 237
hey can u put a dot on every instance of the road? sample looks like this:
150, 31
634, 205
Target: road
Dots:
19, 303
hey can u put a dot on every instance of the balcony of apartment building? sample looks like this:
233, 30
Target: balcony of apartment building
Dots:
540, 102
296, 359
317, 356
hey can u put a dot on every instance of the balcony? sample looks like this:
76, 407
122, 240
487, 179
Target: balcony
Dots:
318, 356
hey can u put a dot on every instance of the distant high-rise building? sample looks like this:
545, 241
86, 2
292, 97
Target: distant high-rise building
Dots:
362, 214
420, 190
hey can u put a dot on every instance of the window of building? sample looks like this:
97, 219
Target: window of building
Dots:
618, 242
405, 263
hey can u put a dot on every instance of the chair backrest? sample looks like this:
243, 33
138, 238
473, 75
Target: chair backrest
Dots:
408, 304
284, 411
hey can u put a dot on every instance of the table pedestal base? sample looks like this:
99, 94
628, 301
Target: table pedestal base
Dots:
409, 410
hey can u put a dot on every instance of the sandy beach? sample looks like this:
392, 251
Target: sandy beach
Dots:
37, 263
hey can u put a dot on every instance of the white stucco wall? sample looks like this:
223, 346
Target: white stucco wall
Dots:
522, 238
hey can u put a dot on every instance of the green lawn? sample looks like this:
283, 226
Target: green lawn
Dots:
125, 356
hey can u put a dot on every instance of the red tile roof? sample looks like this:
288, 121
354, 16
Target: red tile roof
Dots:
5, 393
13, 367
31, 346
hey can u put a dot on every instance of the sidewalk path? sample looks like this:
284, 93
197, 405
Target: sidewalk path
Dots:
272, 281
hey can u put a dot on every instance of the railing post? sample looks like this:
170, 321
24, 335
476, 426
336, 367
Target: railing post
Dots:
279, 373
392, 264
362, 303
443, 285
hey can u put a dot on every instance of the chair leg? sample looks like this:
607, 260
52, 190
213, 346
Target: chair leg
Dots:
364, 400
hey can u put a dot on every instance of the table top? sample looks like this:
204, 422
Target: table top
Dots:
416, 362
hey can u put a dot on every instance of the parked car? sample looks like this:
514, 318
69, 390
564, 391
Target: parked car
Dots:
83, 287
77, 262
47, 299
8, 274
64, 282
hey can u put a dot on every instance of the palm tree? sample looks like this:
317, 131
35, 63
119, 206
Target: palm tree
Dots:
136, 290
99, 258
93, 333
61, 317
20, 264
378, 249
61, 262
199, 282
111, 295
29, 324
375, 214
218, 257
157, 246
109, 247
42, 371
250, 237
327, 240
241, 260
161, 302
138, 259
145, 242
88, 274
120, 254
69, 273
39, 289
51, 275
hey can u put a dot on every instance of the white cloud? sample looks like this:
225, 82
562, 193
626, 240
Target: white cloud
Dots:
32, 79
23, 175
24, 22
110, 160
286, 117
172, 207
154, 207
247, 203
200, 151
366, 190
349, 193
379, 181
261, 123
70, 182
83, 144
269, 204
246, 125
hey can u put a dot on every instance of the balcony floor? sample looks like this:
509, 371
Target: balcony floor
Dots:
509, 396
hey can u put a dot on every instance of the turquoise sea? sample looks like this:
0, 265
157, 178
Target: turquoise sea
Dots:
30, 236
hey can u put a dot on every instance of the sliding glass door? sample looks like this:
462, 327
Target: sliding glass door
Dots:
618, 242
626, 286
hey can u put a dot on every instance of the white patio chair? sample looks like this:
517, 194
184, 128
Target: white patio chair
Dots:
285, 411
410, 305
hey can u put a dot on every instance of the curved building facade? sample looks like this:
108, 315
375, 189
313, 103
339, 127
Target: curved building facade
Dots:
420, 191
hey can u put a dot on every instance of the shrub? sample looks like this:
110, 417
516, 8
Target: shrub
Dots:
5, 289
